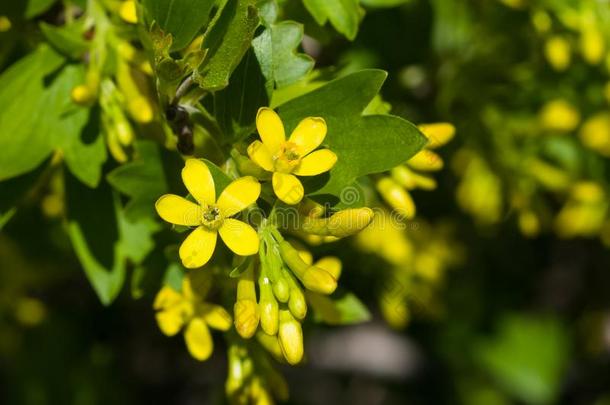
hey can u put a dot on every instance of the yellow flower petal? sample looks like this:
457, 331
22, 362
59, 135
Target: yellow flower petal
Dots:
316, 162
178, 210
238, 195
198, 247
170, 321
167, 297
240, 237
199, 182
198, 339
309, 134
270, 129
260, 155
287, 188
216, 317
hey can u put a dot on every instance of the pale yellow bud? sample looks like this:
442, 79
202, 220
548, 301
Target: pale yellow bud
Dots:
128, 11
290, 337
246, 313
397, 197
595, 133
559, 115
541, 21
592, 45
426, 160
82, 95
558, 53
438, 134
140, 109
411, 180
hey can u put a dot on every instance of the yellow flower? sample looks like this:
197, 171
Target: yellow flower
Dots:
178, 309
295, 156
210, 216
559, 115
558, 53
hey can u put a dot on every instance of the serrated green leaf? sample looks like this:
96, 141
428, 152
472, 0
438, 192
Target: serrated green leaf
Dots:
345, 309
344, 15
181, 18
235, 107
226, 43
143, 180
363, 144
276, 51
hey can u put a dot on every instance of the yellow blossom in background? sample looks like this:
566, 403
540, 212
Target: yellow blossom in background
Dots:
210, 216
128, 12
394, 189
176, 310
558, 53
595, 133
592, 44
296, 156
559, 115
585, 211
5, 23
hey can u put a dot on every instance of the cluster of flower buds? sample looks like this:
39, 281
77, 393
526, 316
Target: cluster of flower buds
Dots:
118, 77
395, 187
284, 275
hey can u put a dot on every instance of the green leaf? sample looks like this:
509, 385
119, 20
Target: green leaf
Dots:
103, 238
29, 104
235, 107
344, 15
221, 180
226, 42
181, 18
527, 357
346, 309
383, 3
36, 7
276, 52
363, 144
142, 179
67, 40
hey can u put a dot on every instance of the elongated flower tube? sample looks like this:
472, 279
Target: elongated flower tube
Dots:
246, 310
291, 337
312, 277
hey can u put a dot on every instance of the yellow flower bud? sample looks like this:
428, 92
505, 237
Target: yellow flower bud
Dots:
426, 160
268, 306
394, 309
281, 290
5, 23
216, 316
412, 180
559, 115
330, 264
272, 344
246, 310
82, 95
587, 192
297, 303
595, 133
438, 134
350, 221
397, 197
541, 21
549, 176
140, 109
313, 278
291, 337
592, 45
557, 52
128, 11
529, 224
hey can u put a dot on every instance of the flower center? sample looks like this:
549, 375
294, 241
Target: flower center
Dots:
210, 217
287, 158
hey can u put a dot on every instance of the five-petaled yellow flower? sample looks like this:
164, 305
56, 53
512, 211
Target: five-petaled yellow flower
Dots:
177, 309
295, 156
211, 216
